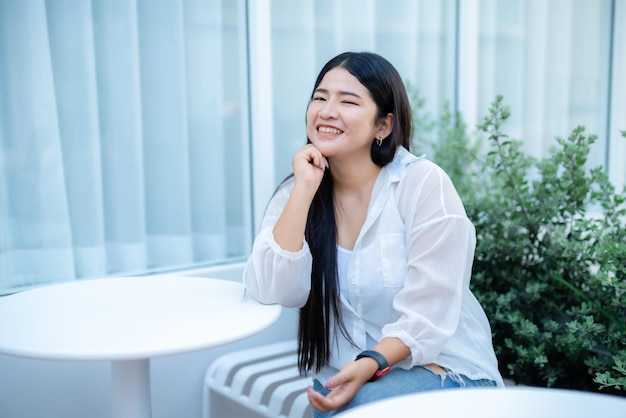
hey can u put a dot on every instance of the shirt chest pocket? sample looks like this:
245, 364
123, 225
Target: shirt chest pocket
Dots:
393, 259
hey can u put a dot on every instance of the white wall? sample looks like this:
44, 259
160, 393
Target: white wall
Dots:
51, 389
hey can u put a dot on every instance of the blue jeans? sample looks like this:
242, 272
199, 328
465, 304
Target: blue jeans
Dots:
403, 382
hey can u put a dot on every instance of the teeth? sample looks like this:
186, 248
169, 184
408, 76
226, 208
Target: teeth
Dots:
329, 130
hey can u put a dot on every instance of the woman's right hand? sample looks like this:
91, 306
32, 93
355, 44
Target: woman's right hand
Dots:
308, 167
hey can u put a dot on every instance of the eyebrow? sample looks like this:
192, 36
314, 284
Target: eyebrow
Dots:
341, 93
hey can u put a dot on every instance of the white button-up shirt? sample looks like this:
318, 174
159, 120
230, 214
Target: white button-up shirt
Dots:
407, 276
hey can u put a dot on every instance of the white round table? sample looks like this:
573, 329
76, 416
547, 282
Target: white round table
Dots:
127, 321
522, 402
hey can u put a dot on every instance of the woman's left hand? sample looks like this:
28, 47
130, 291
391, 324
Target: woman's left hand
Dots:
344, 385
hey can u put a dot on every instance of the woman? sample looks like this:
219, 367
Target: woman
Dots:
374, 246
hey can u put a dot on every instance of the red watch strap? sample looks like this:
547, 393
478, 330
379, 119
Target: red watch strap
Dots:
380, 373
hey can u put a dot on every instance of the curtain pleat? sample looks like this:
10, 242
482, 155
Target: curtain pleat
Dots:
71, 35
163, 95
206, 114
121, 134
37, 242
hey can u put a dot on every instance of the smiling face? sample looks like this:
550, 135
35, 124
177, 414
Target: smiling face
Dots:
342, 117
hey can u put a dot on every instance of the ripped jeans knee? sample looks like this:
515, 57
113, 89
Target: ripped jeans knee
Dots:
444, 374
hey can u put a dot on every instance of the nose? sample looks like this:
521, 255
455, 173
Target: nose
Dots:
329, 110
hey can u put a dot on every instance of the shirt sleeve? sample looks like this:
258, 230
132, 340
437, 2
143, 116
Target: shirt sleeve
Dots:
440, 244
271, 274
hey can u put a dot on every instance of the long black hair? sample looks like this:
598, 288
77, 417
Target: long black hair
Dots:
389, 93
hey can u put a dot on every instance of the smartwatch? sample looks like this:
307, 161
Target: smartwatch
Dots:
383, 366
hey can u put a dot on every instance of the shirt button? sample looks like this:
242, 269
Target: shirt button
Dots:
354, 282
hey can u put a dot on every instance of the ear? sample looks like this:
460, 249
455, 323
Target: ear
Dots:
385, 125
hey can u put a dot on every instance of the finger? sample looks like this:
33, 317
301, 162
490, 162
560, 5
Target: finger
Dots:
318, 160
307, 156
338, 396
316, 157
316, 399
339, 379
320, 402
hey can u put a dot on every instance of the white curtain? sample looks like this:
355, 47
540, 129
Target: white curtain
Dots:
550, 60
122, 137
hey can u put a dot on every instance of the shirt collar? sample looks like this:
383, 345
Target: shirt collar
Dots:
396, 168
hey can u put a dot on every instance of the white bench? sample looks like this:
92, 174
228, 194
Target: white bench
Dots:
257, 382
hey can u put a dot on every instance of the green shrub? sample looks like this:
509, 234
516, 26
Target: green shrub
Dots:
550, 263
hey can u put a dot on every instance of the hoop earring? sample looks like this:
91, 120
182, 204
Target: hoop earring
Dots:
379, 141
